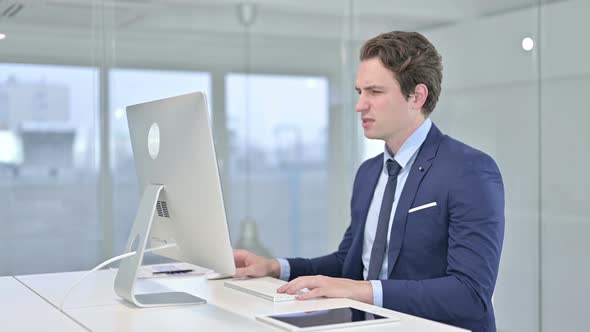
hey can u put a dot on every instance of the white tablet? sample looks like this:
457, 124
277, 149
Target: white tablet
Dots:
325, 319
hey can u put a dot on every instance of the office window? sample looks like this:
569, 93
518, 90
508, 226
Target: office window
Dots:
48, 168
128, 87
372, 147
277, 172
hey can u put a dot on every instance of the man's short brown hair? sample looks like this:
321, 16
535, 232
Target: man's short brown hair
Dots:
412, 59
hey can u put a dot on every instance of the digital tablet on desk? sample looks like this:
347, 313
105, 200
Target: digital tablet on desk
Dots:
326, 319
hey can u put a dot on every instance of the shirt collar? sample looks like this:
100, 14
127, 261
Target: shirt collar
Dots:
410, 146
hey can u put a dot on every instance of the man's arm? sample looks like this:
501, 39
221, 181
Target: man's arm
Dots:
329, 265
251, 265
476, 231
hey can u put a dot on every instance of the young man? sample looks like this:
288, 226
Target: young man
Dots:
427, 215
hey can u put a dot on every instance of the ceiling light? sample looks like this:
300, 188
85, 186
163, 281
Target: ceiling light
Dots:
528, 44
311, 83
119, 113
2, 36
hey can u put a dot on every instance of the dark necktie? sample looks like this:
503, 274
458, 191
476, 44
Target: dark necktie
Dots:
380, 242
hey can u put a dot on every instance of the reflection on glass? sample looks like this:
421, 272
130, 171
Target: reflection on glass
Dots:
277, 168
48, 168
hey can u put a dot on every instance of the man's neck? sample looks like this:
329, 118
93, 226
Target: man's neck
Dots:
395, 143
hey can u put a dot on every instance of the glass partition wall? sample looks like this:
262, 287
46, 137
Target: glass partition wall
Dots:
280, 81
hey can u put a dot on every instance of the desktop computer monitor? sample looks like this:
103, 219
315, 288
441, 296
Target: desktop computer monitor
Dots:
182, 201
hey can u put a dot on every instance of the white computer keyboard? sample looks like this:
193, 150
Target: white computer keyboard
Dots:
264, 287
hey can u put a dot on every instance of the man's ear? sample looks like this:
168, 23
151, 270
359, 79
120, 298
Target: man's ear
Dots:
418, 98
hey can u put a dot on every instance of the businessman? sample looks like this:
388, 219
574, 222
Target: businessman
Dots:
427, 215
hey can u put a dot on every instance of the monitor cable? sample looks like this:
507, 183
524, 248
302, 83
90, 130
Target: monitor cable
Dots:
105, 263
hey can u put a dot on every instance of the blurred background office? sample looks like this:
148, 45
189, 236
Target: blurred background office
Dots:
280, 80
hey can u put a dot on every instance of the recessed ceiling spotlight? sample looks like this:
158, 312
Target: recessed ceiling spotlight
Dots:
119, 113
2, 36
528, 44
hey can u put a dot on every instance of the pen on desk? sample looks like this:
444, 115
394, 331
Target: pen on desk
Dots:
173, 271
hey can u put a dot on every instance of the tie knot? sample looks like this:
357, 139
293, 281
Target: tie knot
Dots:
393, 167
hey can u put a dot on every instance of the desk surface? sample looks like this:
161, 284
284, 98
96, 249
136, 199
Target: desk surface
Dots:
94, 304
23, 310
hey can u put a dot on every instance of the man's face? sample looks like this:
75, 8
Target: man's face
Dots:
385, 112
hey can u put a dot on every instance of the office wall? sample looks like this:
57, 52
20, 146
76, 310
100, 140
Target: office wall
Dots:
565, 212
515, 105
525, 108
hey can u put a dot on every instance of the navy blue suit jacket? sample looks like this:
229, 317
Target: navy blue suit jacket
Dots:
443, 260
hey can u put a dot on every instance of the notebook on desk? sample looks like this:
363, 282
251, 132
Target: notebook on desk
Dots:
171, 269
265, 287
178, 269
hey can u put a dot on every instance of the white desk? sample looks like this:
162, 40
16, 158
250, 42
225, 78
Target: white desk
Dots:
95, 305
23, 310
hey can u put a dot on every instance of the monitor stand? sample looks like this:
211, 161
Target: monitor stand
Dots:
138, 239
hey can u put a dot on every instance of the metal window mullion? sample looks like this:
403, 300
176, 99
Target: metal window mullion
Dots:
105, 177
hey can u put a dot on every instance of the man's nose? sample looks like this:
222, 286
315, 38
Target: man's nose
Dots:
361, 104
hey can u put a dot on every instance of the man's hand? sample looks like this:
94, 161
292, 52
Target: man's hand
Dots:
321, 286
250, 265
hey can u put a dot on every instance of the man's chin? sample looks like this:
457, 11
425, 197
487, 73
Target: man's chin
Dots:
371, 135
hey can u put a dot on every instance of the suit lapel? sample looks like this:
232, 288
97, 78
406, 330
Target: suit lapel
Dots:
419, 169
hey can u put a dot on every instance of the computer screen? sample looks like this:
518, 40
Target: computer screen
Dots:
179, 180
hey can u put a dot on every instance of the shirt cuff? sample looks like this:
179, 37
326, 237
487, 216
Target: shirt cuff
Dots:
377, 292
285, 272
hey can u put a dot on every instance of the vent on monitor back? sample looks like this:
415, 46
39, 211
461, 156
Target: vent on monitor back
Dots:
162, 209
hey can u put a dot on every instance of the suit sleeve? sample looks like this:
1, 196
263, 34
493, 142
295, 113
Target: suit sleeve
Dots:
476, 232
328, 265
